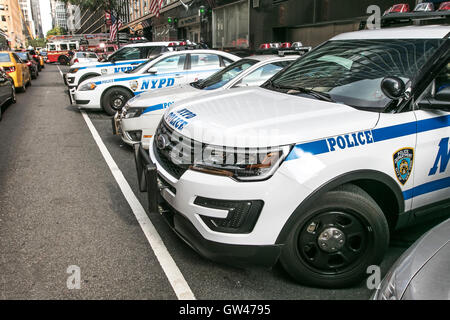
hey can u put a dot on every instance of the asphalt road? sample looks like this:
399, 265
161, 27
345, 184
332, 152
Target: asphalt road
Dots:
61, 206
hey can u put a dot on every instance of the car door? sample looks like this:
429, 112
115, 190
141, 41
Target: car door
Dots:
432, 154
168, 72
20, 70
202, 65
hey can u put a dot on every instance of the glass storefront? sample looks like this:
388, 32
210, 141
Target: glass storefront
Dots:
231, 26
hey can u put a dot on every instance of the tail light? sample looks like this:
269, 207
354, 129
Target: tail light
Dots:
398, 8
9, 69
286, 45
29, 63
444, 6
35, 56
76, 60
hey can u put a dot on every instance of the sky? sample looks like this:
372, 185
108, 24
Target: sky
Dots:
45, 15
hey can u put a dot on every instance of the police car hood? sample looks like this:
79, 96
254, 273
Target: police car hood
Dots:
156, 101
257, 117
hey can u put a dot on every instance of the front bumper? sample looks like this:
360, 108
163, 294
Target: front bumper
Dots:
69, 80
86, 99
233, 254
146, 124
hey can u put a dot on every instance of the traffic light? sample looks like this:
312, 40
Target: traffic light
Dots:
202, 11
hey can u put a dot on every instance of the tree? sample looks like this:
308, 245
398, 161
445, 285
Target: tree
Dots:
56, 31
37, 43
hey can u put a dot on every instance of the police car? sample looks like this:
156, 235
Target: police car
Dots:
139, 118
126, 58
111, 92
316, 167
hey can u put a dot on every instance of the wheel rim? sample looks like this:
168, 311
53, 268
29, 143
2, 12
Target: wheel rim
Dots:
116, 100
333, 242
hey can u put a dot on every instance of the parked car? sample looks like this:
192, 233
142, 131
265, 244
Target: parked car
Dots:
17, 69
421, 273
111, 92
37, 58
83, 57
31, 63
7, 90
318, 166
140, 117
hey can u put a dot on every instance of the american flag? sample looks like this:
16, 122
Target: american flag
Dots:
116, 24
155, 6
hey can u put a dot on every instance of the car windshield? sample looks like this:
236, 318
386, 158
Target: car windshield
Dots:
23, 55
225, 75
350, 71
4, 57
143, 65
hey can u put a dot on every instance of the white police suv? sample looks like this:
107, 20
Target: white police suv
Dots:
111, 92
125, 59
319, 165
139, 118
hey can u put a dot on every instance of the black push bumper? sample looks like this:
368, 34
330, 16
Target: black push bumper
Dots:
237, 255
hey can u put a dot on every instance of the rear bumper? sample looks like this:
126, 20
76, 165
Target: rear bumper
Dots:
232, 254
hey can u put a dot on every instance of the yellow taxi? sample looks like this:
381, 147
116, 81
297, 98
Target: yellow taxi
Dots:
16, 69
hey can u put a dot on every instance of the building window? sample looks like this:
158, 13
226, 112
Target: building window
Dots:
231, 25
3, 18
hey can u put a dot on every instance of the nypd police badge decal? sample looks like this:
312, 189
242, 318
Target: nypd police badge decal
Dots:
403, 163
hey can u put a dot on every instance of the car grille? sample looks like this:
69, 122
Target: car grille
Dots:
175, 166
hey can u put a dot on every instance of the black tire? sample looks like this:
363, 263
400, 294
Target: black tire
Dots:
63, 60
114, 99
349, 214
23, 88
34, 75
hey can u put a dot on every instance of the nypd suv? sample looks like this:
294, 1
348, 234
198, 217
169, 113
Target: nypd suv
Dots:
111, 92
318, 166
126, 58
140, 117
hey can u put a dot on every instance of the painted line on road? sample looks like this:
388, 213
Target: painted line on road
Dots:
62, 75
173, 273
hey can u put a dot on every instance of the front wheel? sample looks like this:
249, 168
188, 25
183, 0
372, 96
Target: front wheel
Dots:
336, 239
114, 99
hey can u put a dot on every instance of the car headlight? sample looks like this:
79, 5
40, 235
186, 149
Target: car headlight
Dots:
242, 163
389, 289
88, 86
74, 70
133, 112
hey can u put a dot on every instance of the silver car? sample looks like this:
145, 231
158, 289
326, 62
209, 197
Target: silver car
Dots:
423, 271
83, 57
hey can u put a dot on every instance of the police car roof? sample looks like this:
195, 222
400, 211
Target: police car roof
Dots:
410, 32
264, 57
150, 44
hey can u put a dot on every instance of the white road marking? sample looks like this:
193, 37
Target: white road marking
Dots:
62, 75
174, 275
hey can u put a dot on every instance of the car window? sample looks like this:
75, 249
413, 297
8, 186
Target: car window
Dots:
227, 61
443, 78
149, 52
260, 75
63, 46
222, 77
23, 55
17, 58
52, 47
351, 71
204, 61
4, 57
128, 53
171, 64
92, 55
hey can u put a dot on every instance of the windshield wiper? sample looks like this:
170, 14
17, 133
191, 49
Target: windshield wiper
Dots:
198, 84
316, 94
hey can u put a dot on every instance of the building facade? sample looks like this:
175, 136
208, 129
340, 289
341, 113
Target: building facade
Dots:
36, 14
73, 14
12, 23
59, 14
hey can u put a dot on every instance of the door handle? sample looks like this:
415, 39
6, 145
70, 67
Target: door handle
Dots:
178, 76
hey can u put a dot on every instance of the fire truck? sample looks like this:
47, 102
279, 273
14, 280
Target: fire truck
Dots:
58, 47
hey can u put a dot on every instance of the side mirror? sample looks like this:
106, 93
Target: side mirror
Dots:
443, 94
152, 70
393, 87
